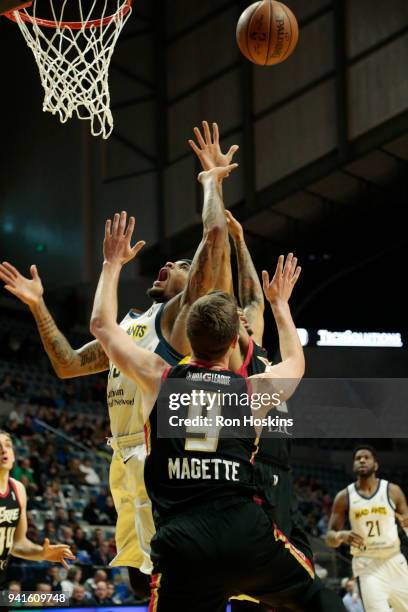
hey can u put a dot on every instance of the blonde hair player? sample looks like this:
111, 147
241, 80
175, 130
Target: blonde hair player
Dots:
373, 507
13, 518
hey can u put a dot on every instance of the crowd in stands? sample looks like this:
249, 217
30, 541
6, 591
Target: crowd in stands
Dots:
315, 504
60, 429
62, 459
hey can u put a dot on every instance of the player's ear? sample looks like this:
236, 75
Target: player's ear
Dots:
235, 341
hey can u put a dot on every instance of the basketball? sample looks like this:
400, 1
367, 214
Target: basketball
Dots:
267, 32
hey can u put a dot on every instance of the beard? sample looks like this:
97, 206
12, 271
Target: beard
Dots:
157, 294
367, 474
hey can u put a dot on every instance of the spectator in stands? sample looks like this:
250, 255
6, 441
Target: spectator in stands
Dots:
91, 512
12, 427
351, 600
109, 515
72, 518
32, 529
98, 538
73, 579
7, 390
53, 578
19, 386
110, 587
81, 540
49, 530
74, 473
81, 598
53, 470
61, 518
101, 594
91, 477
14, 587
311, 527
112, 546
66, 535
43, 587
99, 576
53, 496
323, 523
17, 414
25, 429
102, 555
23, 468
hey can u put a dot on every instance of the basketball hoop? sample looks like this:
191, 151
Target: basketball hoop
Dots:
73, 56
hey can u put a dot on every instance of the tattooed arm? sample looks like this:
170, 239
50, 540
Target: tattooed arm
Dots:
250, 290
204, 275
66, 361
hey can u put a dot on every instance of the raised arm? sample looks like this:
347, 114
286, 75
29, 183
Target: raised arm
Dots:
26, 549
277, 292
210, 156
205, 269
141, 365
209, 259
66, 361
335, 534
249, 286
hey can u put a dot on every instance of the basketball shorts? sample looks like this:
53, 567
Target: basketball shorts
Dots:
382, 583
275, 487
228, 547
134, 526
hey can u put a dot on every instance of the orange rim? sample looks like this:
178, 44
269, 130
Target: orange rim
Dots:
72, 25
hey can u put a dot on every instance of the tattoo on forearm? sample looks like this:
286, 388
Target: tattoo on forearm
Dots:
62, 356
56, 345
95, 357
250, 289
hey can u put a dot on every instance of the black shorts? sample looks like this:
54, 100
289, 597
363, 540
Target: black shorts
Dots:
275, 486
229, 547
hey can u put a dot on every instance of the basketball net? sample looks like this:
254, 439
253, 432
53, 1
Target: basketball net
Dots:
74, 57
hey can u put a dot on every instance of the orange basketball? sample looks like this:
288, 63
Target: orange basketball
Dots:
267, 32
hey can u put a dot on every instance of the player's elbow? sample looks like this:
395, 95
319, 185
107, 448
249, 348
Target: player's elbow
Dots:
96, 326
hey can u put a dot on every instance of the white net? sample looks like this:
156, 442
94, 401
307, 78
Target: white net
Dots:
73, 58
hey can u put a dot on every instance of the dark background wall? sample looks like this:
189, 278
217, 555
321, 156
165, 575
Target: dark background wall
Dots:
323, 158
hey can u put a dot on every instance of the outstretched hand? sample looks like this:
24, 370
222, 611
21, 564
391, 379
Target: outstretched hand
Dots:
280, 288
28, 290
208, 150
57, 553
116, 245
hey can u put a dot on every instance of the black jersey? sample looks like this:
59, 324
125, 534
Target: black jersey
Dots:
10, 511
271, 450
201, 464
